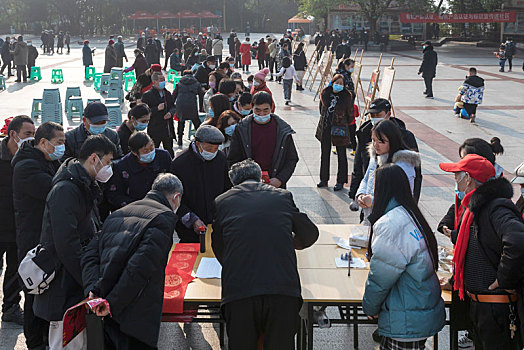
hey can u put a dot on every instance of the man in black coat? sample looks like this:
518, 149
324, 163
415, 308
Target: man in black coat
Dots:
177, 44
428, 68
34, 166
203, 172
32, 54
202, 72
489, 254
169, 47
151, 52
256, 230
160, 101
379, 109
126, 264
267, 139
20, 129
94, 122
67, 228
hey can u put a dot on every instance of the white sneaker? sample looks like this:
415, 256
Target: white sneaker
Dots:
464, 342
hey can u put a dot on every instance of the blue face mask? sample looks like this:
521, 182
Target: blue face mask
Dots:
337, 88
522, 191
245, 111
262, 119
460, 195
148, 157
58, 152
162, 85
97, 129
231, 65
230, 129
232, 98
211, 113
351, 70
140, 126
208, 155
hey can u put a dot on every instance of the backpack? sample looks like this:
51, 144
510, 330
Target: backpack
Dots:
37, 270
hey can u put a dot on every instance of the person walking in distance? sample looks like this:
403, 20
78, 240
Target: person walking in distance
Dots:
428, 68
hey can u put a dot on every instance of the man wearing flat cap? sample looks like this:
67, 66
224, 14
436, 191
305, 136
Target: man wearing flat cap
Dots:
94, 122
488, 258
519, 179
203, 170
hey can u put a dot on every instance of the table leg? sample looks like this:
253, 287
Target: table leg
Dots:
355, 326
453, 337
221, 333
310, 326
435, 342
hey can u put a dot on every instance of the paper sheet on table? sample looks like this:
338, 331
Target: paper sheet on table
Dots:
209, 268
344, 243
356, 263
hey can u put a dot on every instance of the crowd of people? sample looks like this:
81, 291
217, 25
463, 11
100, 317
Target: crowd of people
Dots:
100, 207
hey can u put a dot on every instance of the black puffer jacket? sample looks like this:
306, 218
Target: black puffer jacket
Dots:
185, 96
361, 162
500, 230
125, 264
428, 67
32, 181
75, 139
67, 228
7, 229
159, 127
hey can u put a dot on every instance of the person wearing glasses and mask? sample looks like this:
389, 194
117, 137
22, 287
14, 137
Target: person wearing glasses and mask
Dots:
203, 170
138, 119
135, 172
67, 228
267, 139
94, 122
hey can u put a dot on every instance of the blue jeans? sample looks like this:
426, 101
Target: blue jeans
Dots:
288, 86
502, 63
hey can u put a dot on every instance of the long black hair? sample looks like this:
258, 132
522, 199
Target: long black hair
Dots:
391, 182
481, 147
390, 130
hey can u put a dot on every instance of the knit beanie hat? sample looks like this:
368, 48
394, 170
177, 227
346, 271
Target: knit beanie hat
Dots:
262, 74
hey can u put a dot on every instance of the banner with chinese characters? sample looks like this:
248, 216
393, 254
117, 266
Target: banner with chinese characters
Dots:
486, 17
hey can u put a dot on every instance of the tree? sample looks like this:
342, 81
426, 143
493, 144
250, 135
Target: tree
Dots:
319, 8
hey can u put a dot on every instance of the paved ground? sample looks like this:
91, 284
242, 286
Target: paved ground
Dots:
438, 132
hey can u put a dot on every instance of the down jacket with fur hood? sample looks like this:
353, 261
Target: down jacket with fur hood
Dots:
406, 159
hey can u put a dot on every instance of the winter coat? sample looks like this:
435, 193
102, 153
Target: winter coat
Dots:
124, 133
125, 264
151, 53
472, 90
231, 44
175, 62
5, 53
67, 228
75, 139
261, 51
140, 65
159, 127
87, 56
285, 158
185, 96
31, 56
237, 48
300, 61
20, 55
132, 180
7, 215
169, 47
343, 50
245, 52
343, 115
511, 50
217, 47
402, 287
32, 181
348, 82
272, 50
203, 181
120, 53
110, 61
428, 68
202, 74
244, 241
141, 43
361, 161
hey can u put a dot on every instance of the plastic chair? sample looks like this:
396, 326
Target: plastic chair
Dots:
76, 107
35, 74
171, 75
51, 96
117, 74
2, 82
129, 81
71, 91
90, 73
91, 100
52, 112
111, 100
97, 82
115, 115
57, 76
104, 83
36, 109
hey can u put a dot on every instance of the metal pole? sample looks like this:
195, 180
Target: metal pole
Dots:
502, 27
224, 15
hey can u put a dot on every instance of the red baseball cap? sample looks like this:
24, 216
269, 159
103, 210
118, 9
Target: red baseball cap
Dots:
478, 167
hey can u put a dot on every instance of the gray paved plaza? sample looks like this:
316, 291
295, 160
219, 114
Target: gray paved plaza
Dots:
438, 134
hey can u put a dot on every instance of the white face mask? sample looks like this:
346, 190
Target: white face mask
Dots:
374, 121
20, 141
104, 174
175, 209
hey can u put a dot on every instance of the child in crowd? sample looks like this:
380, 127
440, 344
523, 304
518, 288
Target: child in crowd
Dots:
287, 72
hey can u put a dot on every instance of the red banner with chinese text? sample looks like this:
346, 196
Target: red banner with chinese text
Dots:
486, 17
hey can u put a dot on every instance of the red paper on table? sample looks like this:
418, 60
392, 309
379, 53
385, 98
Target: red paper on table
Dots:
178, 276
74, 318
